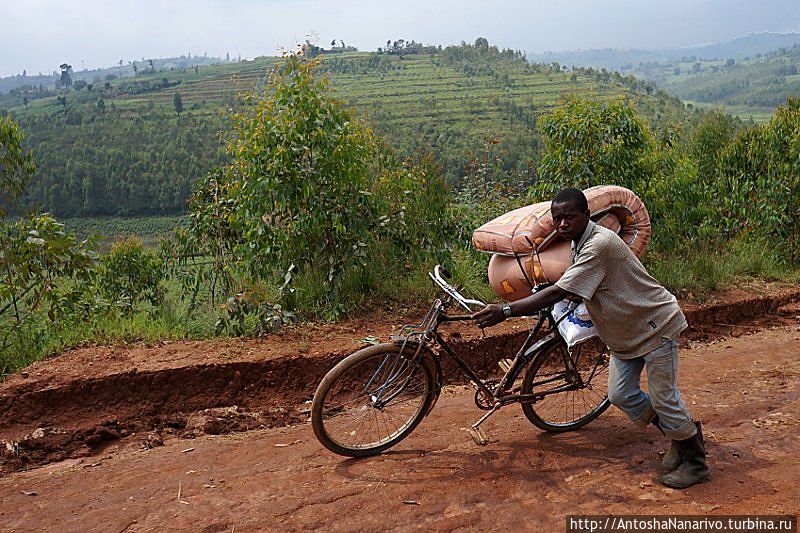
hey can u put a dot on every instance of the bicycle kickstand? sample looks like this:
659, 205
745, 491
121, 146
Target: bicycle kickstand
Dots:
477, 433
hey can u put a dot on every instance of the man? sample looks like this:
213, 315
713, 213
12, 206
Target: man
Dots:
636, 317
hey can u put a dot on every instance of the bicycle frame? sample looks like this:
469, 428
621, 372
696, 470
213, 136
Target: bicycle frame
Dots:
427, 333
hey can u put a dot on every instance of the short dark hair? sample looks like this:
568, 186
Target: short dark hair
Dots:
572, 196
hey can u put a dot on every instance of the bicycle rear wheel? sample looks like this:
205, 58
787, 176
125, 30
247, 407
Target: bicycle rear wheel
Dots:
372, 400
575, 391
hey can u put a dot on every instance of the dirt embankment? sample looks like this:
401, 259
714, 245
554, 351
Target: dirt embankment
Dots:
745, 389
74, 405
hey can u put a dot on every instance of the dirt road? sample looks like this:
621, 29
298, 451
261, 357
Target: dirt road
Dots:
746, 390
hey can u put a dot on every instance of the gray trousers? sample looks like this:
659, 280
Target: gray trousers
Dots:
664, 398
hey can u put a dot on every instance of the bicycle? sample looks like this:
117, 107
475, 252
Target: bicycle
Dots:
377, 396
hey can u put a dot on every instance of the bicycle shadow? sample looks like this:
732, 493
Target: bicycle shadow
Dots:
597, 458
526, 459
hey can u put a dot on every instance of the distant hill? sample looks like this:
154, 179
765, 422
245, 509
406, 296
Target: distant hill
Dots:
747, 87
119, 147
748, 46
126, 70
747, 76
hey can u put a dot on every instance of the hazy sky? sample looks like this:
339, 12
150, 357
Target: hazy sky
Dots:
38, 35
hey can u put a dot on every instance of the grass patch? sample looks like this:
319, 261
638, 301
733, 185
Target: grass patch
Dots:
386, 284
389, 282
42, 338
698, 271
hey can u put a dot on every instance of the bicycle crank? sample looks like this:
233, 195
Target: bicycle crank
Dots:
483, 400
477, 433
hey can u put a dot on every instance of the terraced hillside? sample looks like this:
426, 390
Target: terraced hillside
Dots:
749, 88
120, 147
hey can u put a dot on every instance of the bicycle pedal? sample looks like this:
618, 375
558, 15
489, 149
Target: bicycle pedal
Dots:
480, 436
505, 364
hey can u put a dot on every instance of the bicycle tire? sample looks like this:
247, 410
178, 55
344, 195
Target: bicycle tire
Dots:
343, 414
572, 408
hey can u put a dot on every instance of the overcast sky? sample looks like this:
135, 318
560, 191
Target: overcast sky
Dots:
38, 35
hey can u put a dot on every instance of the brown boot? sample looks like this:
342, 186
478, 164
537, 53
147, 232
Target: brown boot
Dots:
693, 468
672, 459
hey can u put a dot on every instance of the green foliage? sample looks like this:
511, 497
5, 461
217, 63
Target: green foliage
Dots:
482, 59
37, 255
412, 205
301, 178
486, 192
244, 314
762, 82
203, 254
314, 212
682, 208
16, 165
130, 275
312, 198
760, 180
130, 157
118, 164
177, 103
54, 292
590, 143
726, 189
42, 268
710, 136
470, 274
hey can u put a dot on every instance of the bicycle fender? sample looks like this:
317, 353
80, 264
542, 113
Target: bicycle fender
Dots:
539, 344
432, 364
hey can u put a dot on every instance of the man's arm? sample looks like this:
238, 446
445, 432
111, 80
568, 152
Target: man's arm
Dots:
493, 313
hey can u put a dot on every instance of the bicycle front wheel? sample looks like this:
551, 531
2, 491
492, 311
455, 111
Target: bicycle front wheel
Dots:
573, 389
372, 400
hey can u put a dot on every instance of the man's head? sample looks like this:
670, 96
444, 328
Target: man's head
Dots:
570, 212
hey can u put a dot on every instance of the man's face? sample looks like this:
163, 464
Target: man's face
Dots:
568, 220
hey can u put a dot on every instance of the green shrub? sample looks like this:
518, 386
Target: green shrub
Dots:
129, 276
591, 143
313, 204
759, 186
45, 275
16, 165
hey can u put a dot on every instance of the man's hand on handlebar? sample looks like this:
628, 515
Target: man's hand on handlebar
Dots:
489, 316
493, 313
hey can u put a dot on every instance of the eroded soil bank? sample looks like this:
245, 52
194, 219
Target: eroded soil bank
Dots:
745, 389
77, 404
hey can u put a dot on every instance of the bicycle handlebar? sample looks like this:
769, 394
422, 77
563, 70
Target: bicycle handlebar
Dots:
436, 276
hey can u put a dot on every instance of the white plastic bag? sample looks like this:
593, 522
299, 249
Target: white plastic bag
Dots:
577, 326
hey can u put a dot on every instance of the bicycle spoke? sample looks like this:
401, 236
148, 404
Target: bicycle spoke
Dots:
357, 422
364, 396
373, 401
573, 387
